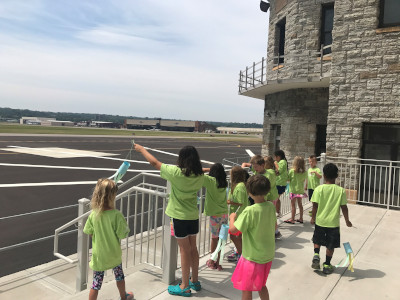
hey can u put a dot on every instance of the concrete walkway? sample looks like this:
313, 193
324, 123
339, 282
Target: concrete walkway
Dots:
375, 239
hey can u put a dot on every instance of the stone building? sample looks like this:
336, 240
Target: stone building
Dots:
330, 81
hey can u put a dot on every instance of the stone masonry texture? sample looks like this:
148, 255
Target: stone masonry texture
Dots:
364, 77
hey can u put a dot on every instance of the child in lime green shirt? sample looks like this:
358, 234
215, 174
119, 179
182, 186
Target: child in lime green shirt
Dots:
281, 168
265, 166
186, 180
313, 178
297, 177
238, 201
215, 206
107, 227
257, 224
327, 201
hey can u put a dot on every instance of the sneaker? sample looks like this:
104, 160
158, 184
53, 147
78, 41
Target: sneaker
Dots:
328, 269
128, 296
315, 262
233, 257
278, 235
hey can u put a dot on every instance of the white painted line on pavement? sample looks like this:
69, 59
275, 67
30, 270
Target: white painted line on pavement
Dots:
250, 153
74, 168
80, 154
174, 154
46, 184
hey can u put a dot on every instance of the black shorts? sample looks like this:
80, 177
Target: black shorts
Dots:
184, 228
328, 237
310, 192
281, 189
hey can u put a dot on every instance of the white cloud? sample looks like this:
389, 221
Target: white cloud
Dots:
173, 59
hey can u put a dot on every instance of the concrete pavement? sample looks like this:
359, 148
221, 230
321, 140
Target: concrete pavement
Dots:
374, 239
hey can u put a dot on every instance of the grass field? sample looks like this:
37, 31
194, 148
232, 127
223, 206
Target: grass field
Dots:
38, 129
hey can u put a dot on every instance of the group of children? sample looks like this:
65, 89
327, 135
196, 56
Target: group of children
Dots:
254, 204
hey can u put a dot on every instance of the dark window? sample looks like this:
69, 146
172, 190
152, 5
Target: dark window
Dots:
327, 26
276, 131
280, 39
389, 13
320, 142
380, 142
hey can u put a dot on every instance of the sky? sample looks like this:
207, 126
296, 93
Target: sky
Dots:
177, 59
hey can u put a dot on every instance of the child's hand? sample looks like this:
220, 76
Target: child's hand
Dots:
232, 216
312, 221
349, 224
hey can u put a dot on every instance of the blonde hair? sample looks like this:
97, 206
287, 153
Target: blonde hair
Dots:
299, 165
103, 197
269, 162
237, 175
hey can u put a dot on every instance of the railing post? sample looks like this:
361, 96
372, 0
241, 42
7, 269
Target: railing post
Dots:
323, 159
389, 188
240, 82
247, 68
262, 70
322, 59
170, 246
254, 71
82, 247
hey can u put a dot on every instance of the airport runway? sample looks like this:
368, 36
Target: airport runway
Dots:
31, 180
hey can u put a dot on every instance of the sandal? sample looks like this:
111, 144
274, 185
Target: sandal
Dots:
290, 221
196, 286
176, 290
128, 296
211, 264
300, 221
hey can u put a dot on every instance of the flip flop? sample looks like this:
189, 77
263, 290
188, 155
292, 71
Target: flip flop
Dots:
298, 220
290, 222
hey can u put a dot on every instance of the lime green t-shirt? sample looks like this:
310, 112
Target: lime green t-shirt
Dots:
239, 196
296, 185
273, 193
329, 198
107, 231
215, 198
271, 176
182, 203
313, 180
283, 173
257, 224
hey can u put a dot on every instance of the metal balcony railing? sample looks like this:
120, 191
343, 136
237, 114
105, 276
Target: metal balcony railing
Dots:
294, 65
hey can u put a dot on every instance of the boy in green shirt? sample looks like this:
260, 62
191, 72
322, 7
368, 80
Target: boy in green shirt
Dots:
327, 201
314, 175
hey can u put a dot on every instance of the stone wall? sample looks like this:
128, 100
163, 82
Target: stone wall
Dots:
298, 111
364, 77
302, 38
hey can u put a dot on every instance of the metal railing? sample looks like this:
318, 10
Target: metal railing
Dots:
296, 64
150, 241
286, 207
369, 181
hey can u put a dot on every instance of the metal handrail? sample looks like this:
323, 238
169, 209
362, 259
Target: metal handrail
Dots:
81, 217
252, 77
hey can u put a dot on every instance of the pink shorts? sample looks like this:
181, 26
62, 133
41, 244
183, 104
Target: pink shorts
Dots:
250, 276
292, 195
